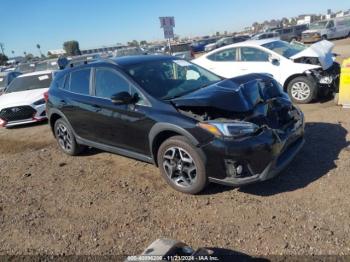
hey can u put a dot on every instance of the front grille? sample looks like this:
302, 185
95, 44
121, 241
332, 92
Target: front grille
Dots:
17, 113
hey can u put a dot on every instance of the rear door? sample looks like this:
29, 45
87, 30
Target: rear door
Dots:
224, 63
76, 102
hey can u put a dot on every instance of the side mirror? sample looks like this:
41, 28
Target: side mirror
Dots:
123, 98
274, 60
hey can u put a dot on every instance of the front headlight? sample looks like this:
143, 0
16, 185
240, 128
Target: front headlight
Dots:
229, 129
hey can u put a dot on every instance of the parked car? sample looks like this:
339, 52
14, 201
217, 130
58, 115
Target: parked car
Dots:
50, 64
6, 78
195, 126
199, 46
224, 41
23, 101
182, 50
265, 35
304, 72
292, 33
25, 67
327, 29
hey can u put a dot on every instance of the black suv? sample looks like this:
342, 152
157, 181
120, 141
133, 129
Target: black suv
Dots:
195, 126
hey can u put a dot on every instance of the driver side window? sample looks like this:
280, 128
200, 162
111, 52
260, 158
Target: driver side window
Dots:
108, 82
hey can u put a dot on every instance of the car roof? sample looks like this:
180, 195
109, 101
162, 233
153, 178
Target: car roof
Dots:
44, 72
139, 59
246, 43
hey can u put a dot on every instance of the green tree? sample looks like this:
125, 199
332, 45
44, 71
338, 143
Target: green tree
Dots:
133, 43
72, 48
3, 59
38, 46
143, 42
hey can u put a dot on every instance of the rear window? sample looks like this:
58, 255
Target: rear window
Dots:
80, 81
29, 83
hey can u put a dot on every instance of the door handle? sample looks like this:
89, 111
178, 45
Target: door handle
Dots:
63, 102
97, 108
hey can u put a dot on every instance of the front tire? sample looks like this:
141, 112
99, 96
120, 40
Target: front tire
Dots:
301, 90
66, 139
182, 165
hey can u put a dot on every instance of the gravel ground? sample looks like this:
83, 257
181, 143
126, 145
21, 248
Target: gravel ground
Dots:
100, 203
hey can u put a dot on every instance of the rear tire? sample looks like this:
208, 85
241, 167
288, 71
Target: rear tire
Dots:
66, 139
182, 165
301, 90
324, 37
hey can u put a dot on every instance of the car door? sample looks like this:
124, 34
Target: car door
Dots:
124, 126
255, 60
331, 30
223, 63
76, 102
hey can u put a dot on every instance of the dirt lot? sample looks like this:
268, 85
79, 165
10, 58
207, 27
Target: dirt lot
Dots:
100, 203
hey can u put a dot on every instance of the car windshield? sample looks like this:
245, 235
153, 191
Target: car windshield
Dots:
318, 25
283, 48
29, 83
170, 78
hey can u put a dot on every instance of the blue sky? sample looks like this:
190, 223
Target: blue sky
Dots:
24, 23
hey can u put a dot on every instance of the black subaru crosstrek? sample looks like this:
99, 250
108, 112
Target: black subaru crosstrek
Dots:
195, 126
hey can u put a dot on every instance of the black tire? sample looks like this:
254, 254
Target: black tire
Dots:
324, 37
66, 139
200, 179
309, 84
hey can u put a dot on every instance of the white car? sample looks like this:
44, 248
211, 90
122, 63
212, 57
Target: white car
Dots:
23, 101
304, 72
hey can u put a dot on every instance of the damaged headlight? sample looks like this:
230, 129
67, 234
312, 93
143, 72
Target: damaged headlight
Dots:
326, 80
229, 129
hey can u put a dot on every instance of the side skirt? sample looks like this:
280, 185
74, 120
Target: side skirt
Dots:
115, 150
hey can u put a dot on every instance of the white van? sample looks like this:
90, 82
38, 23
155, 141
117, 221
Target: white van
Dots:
327, 29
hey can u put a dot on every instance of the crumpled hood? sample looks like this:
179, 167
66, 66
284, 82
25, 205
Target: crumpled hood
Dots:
322, 50
27, 97
239, 94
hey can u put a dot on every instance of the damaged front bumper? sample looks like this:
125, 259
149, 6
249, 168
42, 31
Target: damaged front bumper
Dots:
254, 159
327, 79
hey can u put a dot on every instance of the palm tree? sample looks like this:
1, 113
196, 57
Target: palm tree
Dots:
38, 46
13, 52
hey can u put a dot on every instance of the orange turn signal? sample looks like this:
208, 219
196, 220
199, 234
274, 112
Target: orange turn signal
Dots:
210, 128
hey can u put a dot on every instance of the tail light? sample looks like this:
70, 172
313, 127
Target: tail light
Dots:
2, 122
46, 96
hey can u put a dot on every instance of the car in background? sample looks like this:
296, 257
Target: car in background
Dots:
304, 72
265, 35
50, 64
327, 29
155, 49
6, 78
182, 50
25, 67
292, 33
127, 51
199, 46
194, 125
23, 101
224, 41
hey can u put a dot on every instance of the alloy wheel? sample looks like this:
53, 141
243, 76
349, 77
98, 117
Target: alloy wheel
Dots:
179, 166
300, 91
63, 137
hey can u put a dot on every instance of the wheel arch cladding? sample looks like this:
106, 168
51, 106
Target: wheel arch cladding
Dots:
53, 118
163, 131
